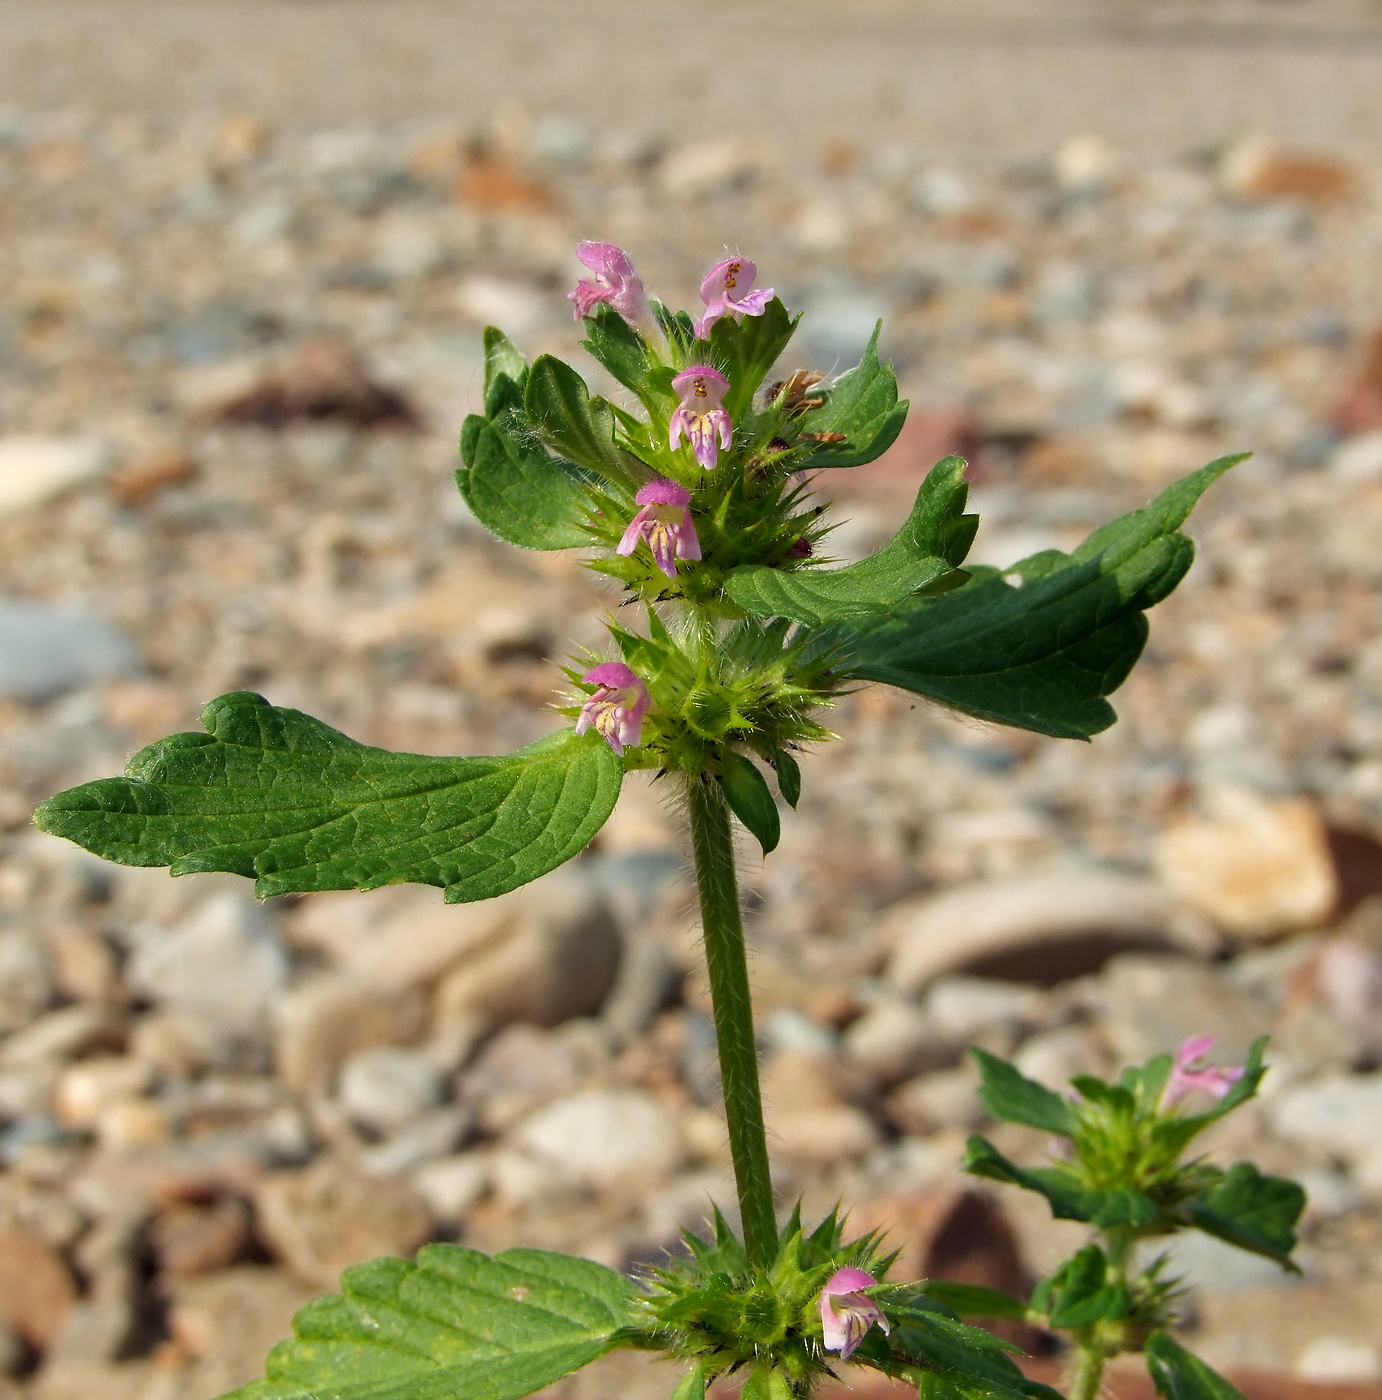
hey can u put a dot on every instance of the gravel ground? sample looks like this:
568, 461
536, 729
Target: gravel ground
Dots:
236, 351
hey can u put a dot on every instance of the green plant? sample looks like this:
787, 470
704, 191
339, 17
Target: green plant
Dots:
692, 500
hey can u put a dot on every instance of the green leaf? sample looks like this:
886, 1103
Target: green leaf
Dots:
863, 405
1008, 1094
1255, 1212
1178, 1375
516, 490
618, 347
276, 795
788, 777
692, 1385
454, 1325
677, 326
1068, 1199
744, 351
1082, 1294
1043, 655
973, 1299
915, 557
506, 372
746, 791
925, 1333
563, 414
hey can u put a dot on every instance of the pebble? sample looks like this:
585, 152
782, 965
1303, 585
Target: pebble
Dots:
190, 1239
1151, 1005
605, 1138
1049, 927
556, 959
322, 1021
895, 1040
222, 967
321, 1220
36, 469
46, 651
387, 1087
1341, 1114
37, 1290
451, 1185
1339, 1361
26, 979
85, 1090
1258, 868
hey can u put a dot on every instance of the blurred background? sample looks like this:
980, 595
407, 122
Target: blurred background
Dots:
248, 248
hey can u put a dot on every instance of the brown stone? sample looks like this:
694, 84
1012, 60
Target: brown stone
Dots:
322, 1023
145, 476
36, 1289
324, 1219
199, 1239
1257, 868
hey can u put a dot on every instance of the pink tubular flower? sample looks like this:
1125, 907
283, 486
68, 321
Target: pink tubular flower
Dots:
665, 523
700, 419
616, 710
725, 292
1188, 1074
846, 1314
616, 282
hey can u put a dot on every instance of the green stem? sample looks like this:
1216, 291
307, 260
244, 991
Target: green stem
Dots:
1088, 1373
712, 846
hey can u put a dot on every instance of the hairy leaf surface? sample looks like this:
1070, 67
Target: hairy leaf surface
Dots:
1043, 654
1255, 1212
935, 538
1178, 1375
863, 406
516, 490
454, 1325
282, 798
1008, 1094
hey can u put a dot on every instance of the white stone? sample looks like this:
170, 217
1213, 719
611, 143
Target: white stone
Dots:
26, 980
1339, 1361
605, 1137
387, 1086
499, 301
35, 469
451, 1185
960, 1008
1358, 458
1033, 916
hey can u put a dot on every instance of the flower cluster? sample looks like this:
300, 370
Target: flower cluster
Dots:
664, 521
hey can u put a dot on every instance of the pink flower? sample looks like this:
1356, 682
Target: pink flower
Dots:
844, 1325
1188, 1074
617, 708
616, 282
725, 292
700, 419
665, 523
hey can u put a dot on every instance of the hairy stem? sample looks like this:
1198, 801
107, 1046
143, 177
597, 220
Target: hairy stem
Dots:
712, 846
1087, 1375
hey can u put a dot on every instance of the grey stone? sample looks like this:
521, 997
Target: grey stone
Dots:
26, 979
47, 651
1151, 1005
433, 1135
648, 981
387, 1087
963, 1009
1341, 1114
895, 1040
222, 966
